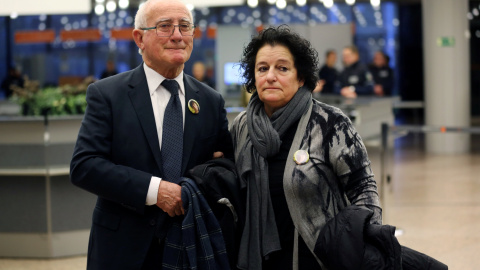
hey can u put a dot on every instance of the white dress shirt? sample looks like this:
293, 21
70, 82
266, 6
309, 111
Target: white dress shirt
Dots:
160, 97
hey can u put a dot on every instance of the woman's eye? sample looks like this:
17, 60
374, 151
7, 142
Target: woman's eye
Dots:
283, 68
262, 69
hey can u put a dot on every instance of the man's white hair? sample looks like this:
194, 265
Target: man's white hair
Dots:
141, 19
141, 16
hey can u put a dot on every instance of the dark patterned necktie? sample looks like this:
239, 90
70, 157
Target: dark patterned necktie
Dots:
172, 137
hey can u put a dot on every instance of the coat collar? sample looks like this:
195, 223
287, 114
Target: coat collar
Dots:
142, 103
192, 125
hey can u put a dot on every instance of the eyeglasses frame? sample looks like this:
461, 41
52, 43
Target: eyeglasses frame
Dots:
174, 25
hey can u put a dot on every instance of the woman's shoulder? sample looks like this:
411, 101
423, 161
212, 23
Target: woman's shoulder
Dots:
240, 119
328, 112
239, 125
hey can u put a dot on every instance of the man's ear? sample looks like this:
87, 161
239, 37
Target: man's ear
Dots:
138, 38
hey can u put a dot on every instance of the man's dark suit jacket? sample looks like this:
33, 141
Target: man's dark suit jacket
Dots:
117, 152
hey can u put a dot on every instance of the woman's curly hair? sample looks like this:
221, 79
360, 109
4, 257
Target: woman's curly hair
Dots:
305, 57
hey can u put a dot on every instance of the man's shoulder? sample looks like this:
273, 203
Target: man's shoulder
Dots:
201, 87
360, 66
119, 78
123, 79
117, 86
324, 68
372, 67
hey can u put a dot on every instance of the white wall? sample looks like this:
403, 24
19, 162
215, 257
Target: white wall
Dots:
229, 48
37, 7
326, 37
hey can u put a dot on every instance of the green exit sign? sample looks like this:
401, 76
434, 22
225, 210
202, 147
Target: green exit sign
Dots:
446, 42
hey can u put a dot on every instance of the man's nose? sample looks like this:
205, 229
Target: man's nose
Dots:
176, 32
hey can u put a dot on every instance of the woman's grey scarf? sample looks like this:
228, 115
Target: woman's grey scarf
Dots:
260, 236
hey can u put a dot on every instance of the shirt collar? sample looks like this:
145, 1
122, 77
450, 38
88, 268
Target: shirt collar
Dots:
154, 79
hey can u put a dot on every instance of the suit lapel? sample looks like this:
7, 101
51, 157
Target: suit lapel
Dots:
192, 123
142, 103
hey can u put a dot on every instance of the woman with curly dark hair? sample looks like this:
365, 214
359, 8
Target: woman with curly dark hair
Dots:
302, 160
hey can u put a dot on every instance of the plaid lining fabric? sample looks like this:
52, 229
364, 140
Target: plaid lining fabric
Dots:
196, 242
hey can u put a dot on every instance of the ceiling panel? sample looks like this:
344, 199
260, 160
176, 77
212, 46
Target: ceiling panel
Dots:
35, 7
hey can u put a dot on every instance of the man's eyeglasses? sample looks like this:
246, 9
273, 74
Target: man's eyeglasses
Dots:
164, 29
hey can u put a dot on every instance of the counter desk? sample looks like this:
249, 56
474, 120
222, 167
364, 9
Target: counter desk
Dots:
43, 215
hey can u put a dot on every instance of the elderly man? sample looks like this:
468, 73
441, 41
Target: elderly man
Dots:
137, 139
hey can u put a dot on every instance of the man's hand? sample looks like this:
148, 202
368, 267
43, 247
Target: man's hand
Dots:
217, 155
169, 198
348, 92
319, 86
378, 90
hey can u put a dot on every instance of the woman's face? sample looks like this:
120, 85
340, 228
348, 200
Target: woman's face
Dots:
276, 77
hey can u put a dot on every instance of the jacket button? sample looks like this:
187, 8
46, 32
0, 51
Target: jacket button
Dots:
152, 222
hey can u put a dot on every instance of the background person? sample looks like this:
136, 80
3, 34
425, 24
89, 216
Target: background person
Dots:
283, 124
14, 77
382, 74
355, 79
199, 71
120, 154
328, 74
110, 70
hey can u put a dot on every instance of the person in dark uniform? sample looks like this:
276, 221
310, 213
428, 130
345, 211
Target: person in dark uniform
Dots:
110, 70
382, 74
355, 79
328, 74
199, 72
13, 78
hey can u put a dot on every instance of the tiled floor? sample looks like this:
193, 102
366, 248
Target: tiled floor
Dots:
74, 263
433, 199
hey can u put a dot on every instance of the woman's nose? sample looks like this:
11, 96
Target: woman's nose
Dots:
271, 76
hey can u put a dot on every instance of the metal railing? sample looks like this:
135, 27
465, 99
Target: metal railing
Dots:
387, 129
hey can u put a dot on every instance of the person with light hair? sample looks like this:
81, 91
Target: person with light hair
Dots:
355, 79
138, 139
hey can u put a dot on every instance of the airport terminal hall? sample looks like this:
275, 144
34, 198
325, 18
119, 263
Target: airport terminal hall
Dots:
240, 134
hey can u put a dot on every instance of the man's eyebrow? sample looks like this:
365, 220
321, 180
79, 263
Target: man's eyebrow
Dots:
171, 20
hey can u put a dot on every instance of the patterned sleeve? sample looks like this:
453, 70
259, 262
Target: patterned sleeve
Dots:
350, 161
